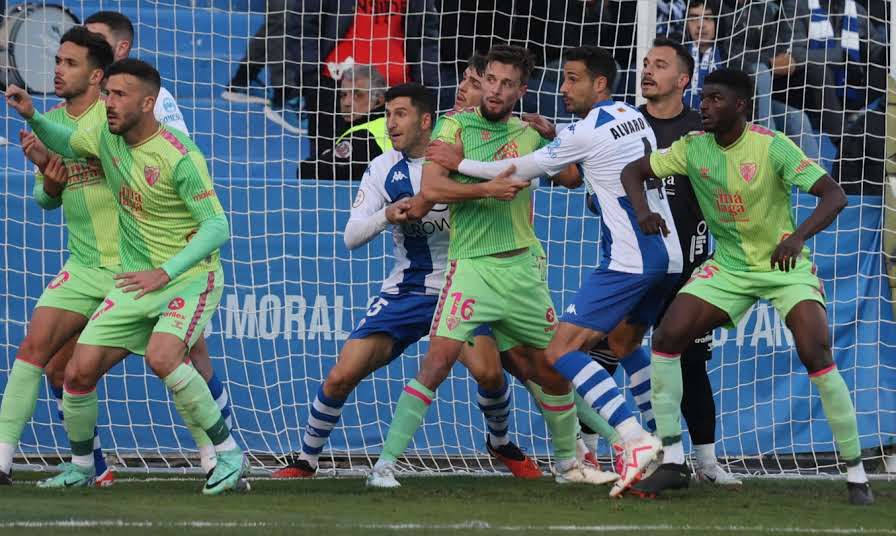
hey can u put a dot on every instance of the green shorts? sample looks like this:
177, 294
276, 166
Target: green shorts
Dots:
735, 291
183, 308
509, 294
78, 288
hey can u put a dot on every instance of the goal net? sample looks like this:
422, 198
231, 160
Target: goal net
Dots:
293, 291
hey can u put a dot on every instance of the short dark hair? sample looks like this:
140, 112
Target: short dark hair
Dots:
681, 52
120, 25
421, 98
514, 55
139, 69
734, 79
598, 61
711, 5
478, 63
99, 53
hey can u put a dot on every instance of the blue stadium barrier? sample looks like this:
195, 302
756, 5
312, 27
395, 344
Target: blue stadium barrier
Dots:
293, 292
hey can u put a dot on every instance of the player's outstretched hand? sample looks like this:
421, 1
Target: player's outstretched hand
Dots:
787, 253
545, 128
144, 282
447, 155
652, 223
34, 149
397, 212
19, 100
505, 186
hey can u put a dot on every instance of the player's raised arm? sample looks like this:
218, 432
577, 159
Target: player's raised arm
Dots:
195, 188
55, 136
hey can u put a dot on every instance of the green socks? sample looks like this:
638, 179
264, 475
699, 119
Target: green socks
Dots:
409, 413
80, 410
560, 415
194, 400
196, 432
19, 400
840, 412
665, 380
593, 420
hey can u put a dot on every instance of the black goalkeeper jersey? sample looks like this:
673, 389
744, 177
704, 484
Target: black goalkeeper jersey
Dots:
692, 232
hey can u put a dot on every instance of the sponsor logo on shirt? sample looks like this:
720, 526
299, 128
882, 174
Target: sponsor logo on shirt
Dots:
176, 303
59, 280
731, 207
83, 173
130, 200
151, 174
486, 135
398, 176
704, 172
508, 150
571, 310
748, 170
551, 317
551, 147
204, 195
804, 164
423, 229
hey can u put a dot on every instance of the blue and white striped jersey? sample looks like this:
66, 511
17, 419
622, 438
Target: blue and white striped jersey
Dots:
421, 247
609, 137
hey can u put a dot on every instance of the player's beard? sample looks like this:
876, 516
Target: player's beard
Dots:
125, 123
69, 92
496, 116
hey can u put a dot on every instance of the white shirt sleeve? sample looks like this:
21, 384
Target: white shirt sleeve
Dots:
527, 168
168, 113
368, 216
571, 146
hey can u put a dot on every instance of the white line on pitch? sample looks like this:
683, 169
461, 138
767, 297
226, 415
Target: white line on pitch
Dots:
470, 525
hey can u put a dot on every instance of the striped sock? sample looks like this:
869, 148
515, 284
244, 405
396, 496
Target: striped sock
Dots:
219, 393
637, 367
600, 391
495, 405
99, 460
412, 406
325, 413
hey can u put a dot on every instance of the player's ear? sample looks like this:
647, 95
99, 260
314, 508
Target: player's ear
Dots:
426, 121
96, 77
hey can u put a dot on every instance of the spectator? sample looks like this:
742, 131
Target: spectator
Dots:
307, 44
701, 38
362, 105
709, 55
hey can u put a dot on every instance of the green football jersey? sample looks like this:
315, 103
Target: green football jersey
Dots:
489, 226
87, 202
744, 190
163, 190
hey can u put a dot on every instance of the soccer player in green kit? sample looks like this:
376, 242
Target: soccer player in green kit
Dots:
493, 277
89, 208
171, 227
742, 175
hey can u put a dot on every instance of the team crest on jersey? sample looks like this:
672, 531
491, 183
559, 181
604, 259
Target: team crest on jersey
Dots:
358, 199
151, 174
748, 170
343, 149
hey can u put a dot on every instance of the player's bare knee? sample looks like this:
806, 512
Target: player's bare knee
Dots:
32, 351
79, 377
339, 384
55, 373
490, 380
668, 340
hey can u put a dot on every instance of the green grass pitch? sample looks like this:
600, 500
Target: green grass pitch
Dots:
440, 505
